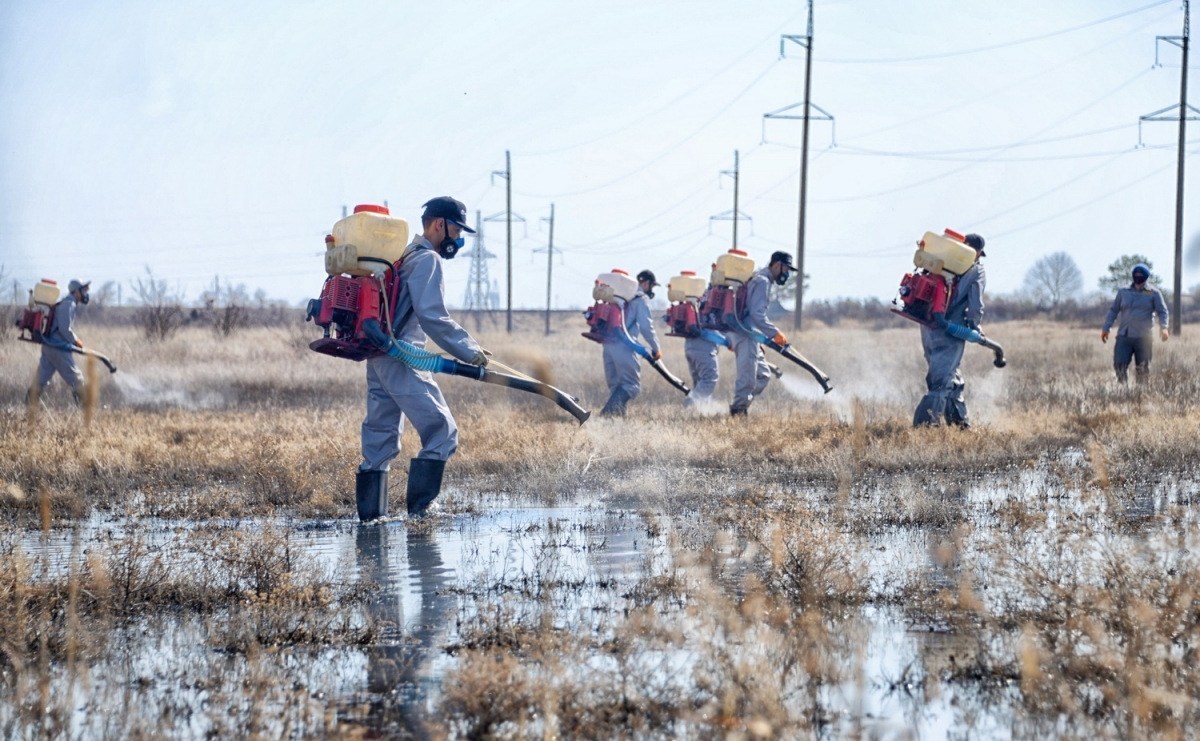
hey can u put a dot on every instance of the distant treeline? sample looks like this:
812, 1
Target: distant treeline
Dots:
870, 312
877, 314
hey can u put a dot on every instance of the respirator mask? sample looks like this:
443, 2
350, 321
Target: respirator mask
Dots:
450, 247
782, 278
85, 298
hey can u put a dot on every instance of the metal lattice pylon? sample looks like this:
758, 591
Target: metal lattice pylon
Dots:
479, 287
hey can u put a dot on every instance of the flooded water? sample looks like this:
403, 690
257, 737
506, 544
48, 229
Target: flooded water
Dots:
434, 583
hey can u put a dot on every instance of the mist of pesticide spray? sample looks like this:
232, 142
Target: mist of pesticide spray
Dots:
160, 393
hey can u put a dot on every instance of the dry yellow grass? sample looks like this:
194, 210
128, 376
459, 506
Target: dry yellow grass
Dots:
1061, 598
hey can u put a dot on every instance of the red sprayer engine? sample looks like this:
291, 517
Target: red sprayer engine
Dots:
683, 319
922, 295
720, 302
940, 258
36, 319
346, 303
605, 318
604, 321
33, 324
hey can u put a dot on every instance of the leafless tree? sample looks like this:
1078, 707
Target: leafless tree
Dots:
226, 304
161, 309
1054, 279
104, 295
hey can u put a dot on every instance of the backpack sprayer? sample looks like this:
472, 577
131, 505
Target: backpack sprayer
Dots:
38, 317
924, 295
606, 320
686, 292
723, 306
358, 301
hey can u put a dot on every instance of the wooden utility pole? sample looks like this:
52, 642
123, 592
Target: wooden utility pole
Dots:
508, 229
733, 214
1185, 113
549, 267
804, 171
1176, 304
735, 197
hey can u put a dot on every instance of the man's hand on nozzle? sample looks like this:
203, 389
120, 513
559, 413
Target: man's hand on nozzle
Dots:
481, 358
79, 343
780, 339
1164, 334
1104, 336
658, 354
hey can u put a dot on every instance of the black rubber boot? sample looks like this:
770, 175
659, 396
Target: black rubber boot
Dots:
615, 406
370, 494
424, 484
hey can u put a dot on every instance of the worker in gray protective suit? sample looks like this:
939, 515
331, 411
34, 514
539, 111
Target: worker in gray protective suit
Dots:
1136, 305
753, 371
943, 400
395, 390
702, 363
621, 369
62, 331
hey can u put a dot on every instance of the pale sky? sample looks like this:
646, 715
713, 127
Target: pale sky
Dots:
224, 138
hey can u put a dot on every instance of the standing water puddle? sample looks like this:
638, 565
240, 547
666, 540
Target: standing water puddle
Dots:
424, 590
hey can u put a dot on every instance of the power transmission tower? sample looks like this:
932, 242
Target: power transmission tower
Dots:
550, 250
478, 298
1183, 115
823, 115
734, 214
507, 175
508, 217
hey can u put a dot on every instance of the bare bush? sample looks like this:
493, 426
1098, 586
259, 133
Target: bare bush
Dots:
161, 310
226, 306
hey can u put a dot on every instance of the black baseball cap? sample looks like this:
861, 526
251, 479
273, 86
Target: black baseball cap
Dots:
445, 207
783, 257
976, 242
647, 275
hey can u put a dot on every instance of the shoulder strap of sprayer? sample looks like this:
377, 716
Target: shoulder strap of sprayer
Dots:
394, 298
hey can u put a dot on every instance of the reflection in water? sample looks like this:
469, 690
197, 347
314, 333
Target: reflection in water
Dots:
398, 662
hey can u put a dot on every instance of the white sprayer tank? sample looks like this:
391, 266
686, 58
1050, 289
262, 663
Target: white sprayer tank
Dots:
367, 240
735, 266
685, 286
44, 295
615, 284
947, 253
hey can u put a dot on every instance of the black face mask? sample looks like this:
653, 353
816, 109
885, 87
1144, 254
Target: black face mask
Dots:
85, 299
450, 247
650, 293
782, 278
1139, 279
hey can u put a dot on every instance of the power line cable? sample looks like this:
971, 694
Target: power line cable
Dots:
665, 152
756, 47
1005, 88
973, 163
993, 47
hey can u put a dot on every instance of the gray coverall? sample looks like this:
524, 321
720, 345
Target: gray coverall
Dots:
702, 364
944, 383
1135, 334
621, 368
394, 390
753, 373
62, 329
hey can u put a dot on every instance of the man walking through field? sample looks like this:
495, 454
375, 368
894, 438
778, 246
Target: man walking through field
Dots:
1136, 305
395, 390
944, 383
62, 331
